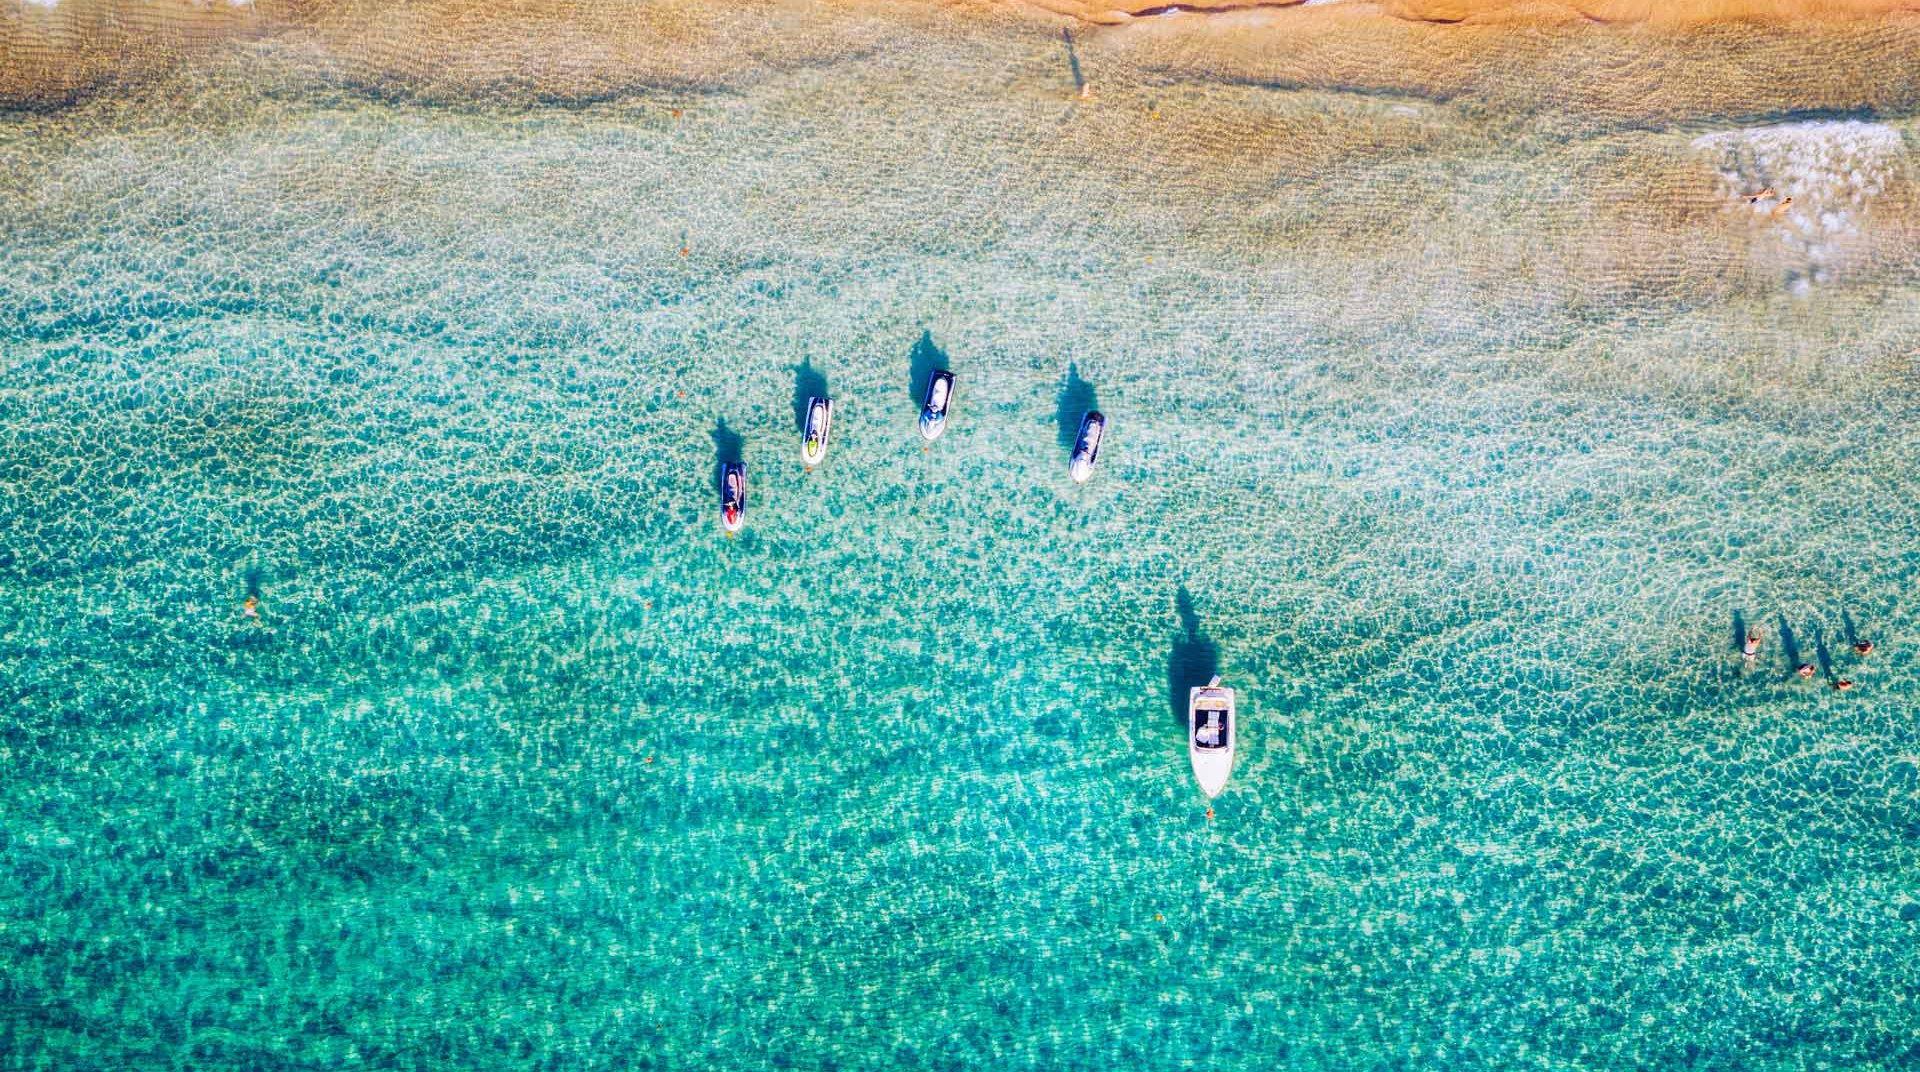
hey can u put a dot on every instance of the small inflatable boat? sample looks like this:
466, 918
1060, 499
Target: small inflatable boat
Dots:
1086, 449
1210, 732
819, 425
933, 410
733, 496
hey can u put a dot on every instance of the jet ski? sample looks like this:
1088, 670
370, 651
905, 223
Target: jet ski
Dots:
1086, 449
933, 410
1210, 733
733, 496
819, 424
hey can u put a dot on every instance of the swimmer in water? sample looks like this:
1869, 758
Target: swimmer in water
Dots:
1752, 650
1863, 647
1806, 670
251, 608
1782, 207
1754, 198
1842, 685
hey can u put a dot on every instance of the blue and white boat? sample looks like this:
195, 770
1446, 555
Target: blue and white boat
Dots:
933, 409
733, 496
819, 425
1086, 449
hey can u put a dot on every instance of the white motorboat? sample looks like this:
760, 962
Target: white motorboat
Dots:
1210, 734
819, 425
1086, 449
733, 496
933, 409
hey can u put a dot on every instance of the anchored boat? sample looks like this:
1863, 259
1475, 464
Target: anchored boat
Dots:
933, 409
819, 424
733, 496
1210, 732
1086, 449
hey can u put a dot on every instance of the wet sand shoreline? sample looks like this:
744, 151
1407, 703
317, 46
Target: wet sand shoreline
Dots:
1617, 60
1496, 12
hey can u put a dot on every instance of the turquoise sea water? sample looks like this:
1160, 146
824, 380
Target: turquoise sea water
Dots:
1468, 477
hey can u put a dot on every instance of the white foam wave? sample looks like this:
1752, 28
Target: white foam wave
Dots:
1823, 175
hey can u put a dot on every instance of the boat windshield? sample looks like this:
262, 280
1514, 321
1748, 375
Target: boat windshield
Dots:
1212, 731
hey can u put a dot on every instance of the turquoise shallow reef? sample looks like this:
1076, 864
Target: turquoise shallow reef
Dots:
1467, 446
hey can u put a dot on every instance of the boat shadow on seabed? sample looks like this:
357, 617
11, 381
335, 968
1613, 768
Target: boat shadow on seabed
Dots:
925, 359
808, 382
1192, 662
1075, 402
727, 447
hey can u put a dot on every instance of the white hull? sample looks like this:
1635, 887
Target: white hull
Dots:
934, 408
1212, 734
733, 497
813, 442
1086, 448
1211, 771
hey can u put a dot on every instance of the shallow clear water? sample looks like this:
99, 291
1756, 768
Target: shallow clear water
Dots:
1465, 447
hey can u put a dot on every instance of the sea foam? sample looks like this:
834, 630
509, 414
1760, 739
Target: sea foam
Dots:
1831, 171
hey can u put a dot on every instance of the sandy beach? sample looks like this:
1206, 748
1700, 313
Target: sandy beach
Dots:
1634, 59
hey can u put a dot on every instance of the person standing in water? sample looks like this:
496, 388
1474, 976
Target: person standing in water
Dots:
1751, 653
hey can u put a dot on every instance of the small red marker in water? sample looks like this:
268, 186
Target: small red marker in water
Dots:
1209, 813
